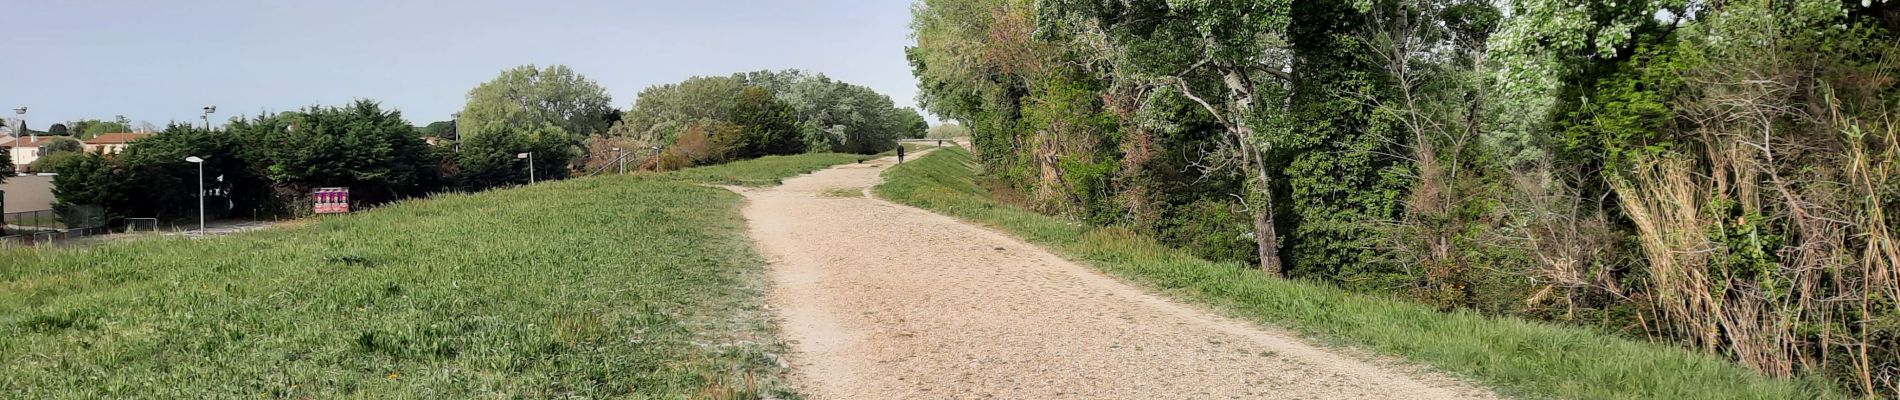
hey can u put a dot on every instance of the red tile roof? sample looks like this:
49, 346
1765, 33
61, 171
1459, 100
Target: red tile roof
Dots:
30, 141
116, 138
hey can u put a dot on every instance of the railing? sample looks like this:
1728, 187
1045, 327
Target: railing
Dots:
619, 161
30, 221
47, 227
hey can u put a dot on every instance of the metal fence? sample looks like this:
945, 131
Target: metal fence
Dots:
31, 220
42, 227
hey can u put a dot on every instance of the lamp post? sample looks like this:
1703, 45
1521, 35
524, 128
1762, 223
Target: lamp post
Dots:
201, 190
20, 131
207, 116
530, 157
620, 158
455, 119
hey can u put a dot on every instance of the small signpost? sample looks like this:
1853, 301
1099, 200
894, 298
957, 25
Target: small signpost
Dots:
333, 200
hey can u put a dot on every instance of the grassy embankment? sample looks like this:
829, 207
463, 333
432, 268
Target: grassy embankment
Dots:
640, 285
1515, 356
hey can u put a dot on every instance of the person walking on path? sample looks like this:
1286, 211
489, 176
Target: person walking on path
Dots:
900, 153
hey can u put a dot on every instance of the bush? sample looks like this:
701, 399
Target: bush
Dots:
488, 158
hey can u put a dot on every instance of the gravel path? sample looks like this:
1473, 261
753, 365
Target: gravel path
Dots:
884, 301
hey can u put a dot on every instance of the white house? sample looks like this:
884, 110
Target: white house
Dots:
25, 150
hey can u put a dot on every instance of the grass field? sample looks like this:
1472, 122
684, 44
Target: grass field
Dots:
1517, 357
621, 286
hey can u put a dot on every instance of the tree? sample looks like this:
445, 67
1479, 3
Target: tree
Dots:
62, 145
375, 153
838, 116
89, 128
1219, 55
754, 120
58, 130
152, 179
526, 98
488, 158
440, 130
91, 179
661, 112
915, 127
766, 127
6, 163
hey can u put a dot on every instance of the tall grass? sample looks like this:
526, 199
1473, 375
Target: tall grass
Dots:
622, 286
1517, 357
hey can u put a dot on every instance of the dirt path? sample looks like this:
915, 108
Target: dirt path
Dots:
883, 301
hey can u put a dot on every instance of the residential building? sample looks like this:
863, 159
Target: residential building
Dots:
25, 150
6, 145
112, 143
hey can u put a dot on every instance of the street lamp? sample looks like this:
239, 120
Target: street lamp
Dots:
530, 157
207, 116
455, 120
201, 190
20, 131
622, 159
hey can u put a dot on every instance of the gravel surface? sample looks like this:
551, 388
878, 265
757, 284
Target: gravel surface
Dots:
884, 301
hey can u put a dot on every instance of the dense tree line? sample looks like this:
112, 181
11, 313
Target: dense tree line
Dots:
1718, 173
719, 118
267, 165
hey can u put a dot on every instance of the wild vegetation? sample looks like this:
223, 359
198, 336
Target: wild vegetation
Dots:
631, 285
1513, 355
947, 131
1716, 174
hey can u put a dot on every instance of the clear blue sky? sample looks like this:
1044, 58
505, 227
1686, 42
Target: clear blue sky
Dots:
162, 61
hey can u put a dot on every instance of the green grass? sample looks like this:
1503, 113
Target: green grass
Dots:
841, 193
621, 286
1515, 356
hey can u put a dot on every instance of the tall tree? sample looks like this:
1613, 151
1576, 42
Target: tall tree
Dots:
525, 98
489, 159
6, 163
88, 128
1222, 56
440, 130
661, 112
527, 101
374, 152
160, 183
913, 123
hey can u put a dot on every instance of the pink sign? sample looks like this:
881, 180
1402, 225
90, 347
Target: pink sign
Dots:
332, 200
